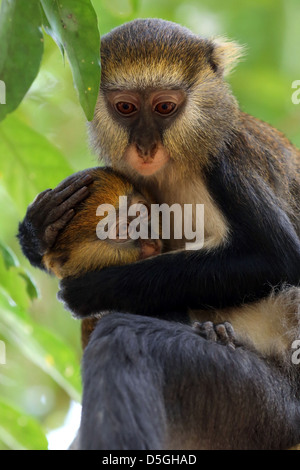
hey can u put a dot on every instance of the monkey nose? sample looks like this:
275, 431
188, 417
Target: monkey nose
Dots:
147, 153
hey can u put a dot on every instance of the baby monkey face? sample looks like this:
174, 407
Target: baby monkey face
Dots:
110, 227
129, 225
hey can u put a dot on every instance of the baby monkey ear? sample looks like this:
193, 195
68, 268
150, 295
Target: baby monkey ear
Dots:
225, 55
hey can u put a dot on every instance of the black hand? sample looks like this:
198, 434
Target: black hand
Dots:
49, 213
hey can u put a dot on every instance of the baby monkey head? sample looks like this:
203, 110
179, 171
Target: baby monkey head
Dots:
101, 232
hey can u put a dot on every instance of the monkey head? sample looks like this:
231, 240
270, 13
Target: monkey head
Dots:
163, 100
78, 248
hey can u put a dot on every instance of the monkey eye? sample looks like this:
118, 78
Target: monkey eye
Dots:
125, 108
166, 107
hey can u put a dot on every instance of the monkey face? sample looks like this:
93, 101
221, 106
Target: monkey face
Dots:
145, 115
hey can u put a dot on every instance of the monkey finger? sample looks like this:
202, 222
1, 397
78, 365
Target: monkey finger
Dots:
225, 334
206, 330
52, 230
63, 193
68, 204
38, 203
230, 332
69, 180
48, 206
40, 196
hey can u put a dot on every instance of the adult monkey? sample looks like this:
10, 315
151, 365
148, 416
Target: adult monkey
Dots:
166, 117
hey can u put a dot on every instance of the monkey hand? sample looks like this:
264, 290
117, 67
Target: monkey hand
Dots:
83, 296
222, 333
49, 213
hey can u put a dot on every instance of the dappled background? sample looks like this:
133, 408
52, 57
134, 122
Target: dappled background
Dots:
45, 140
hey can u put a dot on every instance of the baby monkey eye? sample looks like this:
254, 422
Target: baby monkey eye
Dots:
125, 108
166, 107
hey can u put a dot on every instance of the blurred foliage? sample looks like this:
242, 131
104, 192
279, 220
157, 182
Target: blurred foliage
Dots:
44, 140
73, 26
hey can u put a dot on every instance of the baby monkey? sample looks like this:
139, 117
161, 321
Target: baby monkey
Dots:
78, 248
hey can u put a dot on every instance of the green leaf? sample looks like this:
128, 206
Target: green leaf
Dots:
29, 163
21, 49
9, 258
18, 431
12, 263
14, 285
74, 25
31, 287
51, 33
44, 348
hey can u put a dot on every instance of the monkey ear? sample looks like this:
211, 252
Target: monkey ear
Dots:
225, 54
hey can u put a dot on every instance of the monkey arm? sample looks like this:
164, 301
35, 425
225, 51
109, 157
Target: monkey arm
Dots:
49, 213
263, 250
178, 281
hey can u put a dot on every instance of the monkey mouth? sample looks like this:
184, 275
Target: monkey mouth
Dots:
146, 165
147, 168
